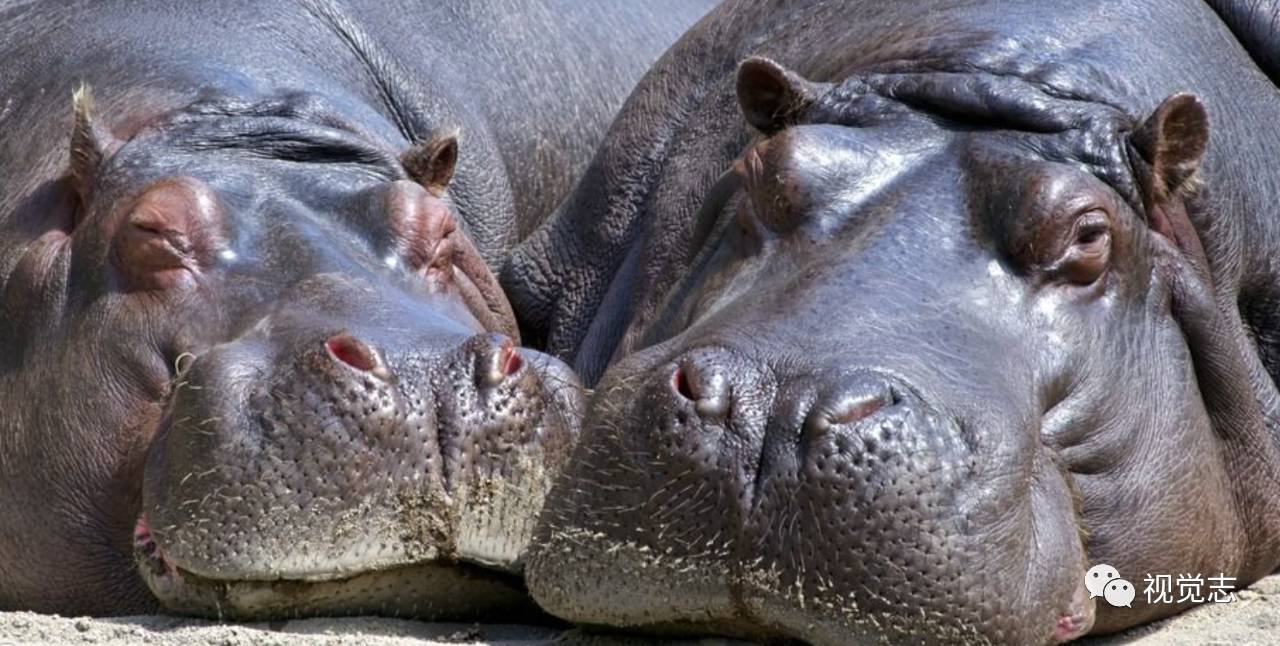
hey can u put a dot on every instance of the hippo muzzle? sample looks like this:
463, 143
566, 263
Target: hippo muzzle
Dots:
776, 496
317, 467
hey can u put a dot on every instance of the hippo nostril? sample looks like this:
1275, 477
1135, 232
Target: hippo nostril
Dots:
498, 361
512, 363
680, 382
856, 411
849, 407
354, 353
707, 389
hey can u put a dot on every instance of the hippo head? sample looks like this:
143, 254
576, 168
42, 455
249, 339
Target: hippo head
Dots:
943, 343
293, 320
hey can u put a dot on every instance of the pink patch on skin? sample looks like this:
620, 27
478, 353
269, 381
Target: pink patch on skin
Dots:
141, 530
1070, 627
1077, 620
145, 542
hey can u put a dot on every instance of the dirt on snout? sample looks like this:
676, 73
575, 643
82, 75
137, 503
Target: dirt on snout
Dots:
1254, 618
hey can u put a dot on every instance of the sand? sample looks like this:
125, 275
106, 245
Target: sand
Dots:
1253, 619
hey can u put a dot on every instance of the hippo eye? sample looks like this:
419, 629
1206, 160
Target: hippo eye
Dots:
439, 269
166, 236
1088, 252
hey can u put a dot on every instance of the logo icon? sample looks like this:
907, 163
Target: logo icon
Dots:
1120, 593
1104, 581
1097, 578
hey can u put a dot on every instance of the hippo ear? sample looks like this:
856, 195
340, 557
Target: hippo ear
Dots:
1172, 141
91, 142
771, 96
431, 163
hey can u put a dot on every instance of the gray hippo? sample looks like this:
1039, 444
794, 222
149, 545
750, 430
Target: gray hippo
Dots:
904, 316
251, 349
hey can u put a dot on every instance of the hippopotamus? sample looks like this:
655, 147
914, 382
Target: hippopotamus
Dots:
901, 318
255, 361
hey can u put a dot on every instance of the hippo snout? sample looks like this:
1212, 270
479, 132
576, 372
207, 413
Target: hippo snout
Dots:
316, 468
707, 380
834, 504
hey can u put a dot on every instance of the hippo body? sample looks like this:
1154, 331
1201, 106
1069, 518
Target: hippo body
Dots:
243, 244
900, 317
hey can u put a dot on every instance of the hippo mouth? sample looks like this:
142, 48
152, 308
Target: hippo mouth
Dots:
436, 590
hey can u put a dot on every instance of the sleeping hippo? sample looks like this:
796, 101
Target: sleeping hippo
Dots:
903, 318
254, 361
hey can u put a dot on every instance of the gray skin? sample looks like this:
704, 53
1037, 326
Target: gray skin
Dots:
913, 321
247, 322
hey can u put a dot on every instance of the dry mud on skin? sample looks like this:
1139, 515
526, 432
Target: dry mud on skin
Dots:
1253, 619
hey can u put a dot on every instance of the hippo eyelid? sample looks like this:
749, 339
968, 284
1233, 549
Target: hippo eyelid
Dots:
175, 239
1086, 250
1087, 227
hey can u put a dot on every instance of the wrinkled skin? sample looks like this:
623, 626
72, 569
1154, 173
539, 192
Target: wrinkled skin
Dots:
254, 361
972, 298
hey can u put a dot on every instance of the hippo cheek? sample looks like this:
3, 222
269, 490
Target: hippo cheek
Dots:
346, 478
771, 516
1162, 518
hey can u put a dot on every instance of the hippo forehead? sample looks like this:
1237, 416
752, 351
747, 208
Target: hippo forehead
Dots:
829, 170
292, 177
835, 180
246, 147
1032, 115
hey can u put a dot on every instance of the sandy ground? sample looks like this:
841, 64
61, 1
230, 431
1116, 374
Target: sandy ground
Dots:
1253, 619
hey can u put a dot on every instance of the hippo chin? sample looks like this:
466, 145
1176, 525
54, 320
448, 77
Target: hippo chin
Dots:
969, 302
254, 361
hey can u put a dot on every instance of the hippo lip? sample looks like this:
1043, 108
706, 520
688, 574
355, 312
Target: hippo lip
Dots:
428, 590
